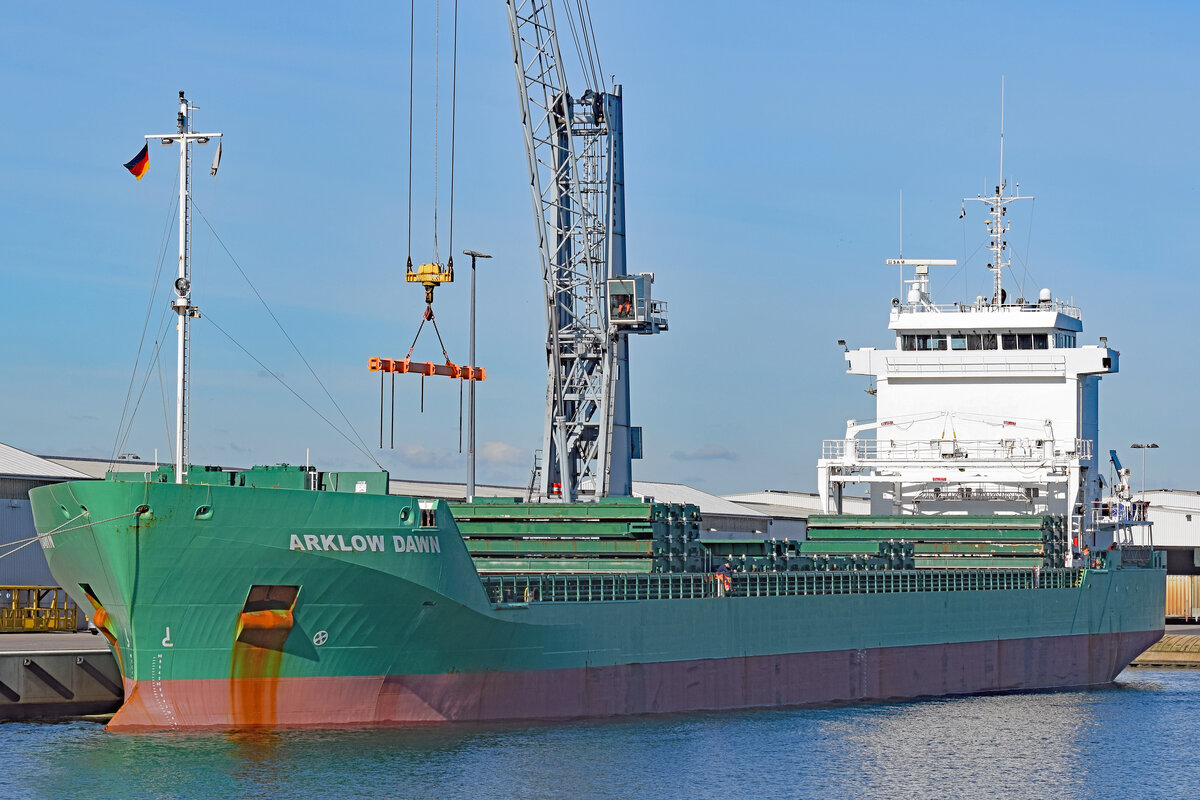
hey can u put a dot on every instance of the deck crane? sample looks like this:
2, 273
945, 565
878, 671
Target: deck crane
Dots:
576, 176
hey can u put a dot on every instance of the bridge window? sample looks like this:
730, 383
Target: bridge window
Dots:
923, 341
1040, 341
957, 341
1009, 340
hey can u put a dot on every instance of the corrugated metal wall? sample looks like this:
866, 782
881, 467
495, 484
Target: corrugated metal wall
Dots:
1183, 596
27, 566
17, 488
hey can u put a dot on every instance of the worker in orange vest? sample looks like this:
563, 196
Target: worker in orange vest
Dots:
724, 579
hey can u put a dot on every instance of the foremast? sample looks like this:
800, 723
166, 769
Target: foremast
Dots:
182, 302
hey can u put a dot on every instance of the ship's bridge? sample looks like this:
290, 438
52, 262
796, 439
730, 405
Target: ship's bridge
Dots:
976, 403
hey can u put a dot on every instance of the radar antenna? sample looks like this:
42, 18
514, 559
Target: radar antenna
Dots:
997, 224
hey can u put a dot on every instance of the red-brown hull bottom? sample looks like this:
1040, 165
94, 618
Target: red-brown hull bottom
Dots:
794, 679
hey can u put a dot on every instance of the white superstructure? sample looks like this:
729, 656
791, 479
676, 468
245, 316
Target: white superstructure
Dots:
985, 407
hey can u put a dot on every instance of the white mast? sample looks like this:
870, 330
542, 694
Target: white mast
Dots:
182, 303
998, 226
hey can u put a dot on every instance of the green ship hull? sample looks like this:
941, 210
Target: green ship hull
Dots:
237, 605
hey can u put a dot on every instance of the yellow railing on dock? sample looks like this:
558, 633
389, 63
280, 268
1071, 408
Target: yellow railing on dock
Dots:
28, 609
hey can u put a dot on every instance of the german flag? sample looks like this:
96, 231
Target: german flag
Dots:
138, 165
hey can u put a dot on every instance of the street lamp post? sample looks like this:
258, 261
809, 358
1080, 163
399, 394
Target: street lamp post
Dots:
1144, 447
471, 389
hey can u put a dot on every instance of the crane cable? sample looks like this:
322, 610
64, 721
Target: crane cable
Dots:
412, 16
453, 121
427, 315
587, 9
590, 45
437, 60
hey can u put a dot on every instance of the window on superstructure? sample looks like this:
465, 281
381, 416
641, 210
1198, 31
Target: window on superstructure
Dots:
1024, 341
989, 341
1009, 340
931, 341
908, 342
958, 342
1040, 341
974, 342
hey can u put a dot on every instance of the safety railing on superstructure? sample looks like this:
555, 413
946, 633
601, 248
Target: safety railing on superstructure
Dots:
36, 608
550, 588
941, 450
1041, 362
949, 308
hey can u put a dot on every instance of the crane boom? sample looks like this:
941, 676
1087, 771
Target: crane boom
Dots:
576, 178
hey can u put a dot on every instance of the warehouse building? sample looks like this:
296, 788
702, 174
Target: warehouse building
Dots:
22, 562
1176, 517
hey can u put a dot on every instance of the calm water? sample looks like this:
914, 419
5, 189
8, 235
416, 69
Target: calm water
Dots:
1139, 738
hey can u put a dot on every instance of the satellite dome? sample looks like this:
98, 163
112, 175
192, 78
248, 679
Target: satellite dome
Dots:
1044, 296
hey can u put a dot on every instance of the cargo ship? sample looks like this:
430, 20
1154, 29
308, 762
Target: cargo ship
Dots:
290, 596
282, 595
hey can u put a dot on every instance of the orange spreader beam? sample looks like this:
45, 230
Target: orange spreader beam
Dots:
449, 369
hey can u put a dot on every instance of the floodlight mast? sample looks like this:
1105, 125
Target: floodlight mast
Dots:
576, 172
182, 302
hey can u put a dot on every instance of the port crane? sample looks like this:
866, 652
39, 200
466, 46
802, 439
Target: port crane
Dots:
573, 143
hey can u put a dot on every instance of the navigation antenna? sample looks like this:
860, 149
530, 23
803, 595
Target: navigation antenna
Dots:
182, 302
996, 223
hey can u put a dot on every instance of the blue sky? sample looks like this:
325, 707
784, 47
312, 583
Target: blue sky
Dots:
766, 148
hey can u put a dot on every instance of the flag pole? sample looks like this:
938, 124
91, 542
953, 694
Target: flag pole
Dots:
182, 302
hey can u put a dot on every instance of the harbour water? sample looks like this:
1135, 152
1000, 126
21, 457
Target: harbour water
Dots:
1137, 738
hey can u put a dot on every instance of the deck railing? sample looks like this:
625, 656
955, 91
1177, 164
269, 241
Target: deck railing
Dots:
942, 450
1073, 311
550, 588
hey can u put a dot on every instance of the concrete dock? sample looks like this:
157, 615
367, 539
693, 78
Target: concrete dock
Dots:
1179, 647
57, 675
